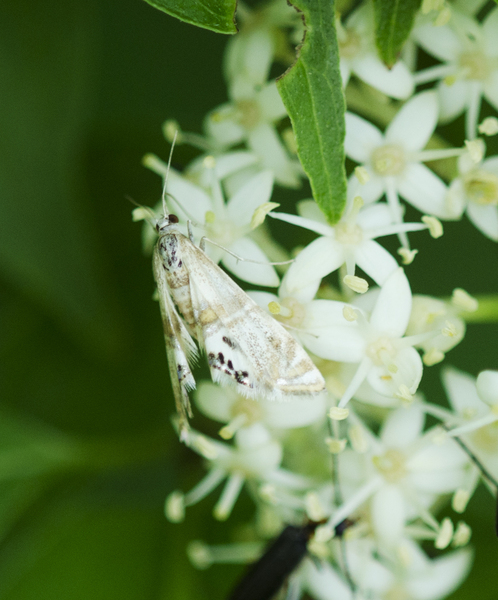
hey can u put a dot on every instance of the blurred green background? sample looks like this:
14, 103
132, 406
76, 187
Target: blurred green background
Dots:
87, 453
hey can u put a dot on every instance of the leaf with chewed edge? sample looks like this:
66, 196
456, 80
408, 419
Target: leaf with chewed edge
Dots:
312, 93
216, 15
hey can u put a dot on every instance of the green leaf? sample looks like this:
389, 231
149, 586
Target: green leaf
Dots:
216, 15
393, 23
312, 93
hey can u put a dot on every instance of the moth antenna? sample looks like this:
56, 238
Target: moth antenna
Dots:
166, 177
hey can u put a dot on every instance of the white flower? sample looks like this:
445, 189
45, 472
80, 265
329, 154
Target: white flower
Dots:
351, 242
226, 406
475, 191
431, 315
469, 51
358, 55
405, 572
476, 406
227, 224
393, 160
402, 471
255, 456
251, 117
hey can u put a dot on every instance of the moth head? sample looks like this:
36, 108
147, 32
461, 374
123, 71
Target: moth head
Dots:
164, 223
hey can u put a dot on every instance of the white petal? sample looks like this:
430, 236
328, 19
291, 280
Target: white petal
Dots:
258, 54
388, 511
410, 369
297, 412
262, 299
489, 29
490, 89
309, 209
375, 261
491, 165
396, 82
452, 99
221, 125
487, 387
437, 457
271, 104
424, 190
403, 427
345, 69
265, 142
392, 309
291, 287
260, 274
229, 163
462, 394
377, 215
370, 191
305, 222
442, 576
485, 218
414, 124
214, 401
318, 259
246, 200
441, 42
189, 196
361, 138
456, 198
323, 582
331, 336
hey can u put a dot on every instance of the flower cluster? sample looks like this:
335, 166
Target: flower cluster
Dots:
373, 449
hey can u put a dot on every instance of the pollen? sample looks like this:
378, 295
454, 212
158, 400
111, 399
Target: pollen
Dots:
248, 113
290, 311
474, 65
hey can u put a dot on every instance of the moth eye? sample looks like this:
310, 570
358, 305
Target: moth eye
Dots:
173, 218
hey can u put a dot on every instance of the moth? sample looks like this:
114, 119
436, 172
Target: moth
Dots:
244, 345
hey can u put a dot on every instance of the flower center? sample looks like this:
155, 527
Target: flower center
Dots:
297, 312
397, 592
348, 233
391, 465
388, 160
482, 187
475, 65
248, 113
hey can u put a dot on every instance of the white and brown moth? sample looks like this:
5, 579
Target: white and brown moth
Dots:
245, 346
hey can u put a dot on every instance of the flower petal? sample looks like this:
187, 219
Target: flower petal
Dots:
388, 513
452, 99
489, 29
221, 125
396, 82
375, 260
441, 42
424, 190
260, 274
189, 197
462, 394
392, 309
318, 259
485, 218
370, 191
403, 427
361, 138
246, 200
270, 102
490, 89
266, 143
487, 387
414, 124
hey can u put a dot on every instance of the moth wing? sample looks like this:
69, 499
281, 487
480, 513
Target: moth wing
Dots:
180, 347
245, 346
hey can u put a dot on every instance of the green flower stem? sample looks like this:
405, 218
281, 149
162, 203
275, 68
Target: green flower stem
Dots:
487, 311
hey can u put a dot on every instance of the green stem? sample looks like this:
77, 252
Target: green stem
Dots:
487, 311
